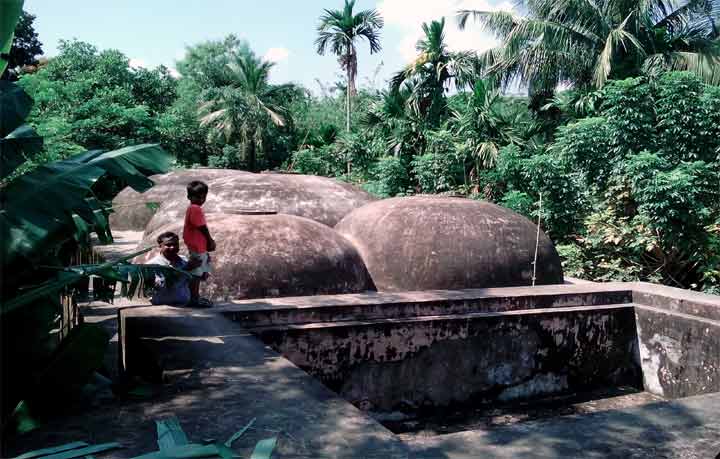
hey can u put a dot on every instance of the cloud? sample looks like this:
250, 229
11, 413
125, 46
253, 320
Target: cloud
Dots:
408, 16
137, 63
276, 55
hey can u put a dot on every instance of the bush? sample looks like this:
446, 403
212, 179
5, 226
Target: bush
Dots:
313, 161
390, 177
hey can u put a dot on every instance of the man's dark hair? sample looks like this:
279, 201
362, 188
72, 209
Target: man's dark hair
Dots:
166, 235
197, 188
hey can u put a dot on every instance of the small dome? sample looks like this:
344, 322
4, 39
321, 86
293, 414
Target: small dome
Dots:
275, 255
130, 207
321, 199
424, 243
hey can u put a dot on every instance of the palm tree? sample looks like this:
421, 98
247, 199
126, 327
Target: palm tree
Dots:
244, 110
586, 42
433, 72
338, 30
487, 122
391, 118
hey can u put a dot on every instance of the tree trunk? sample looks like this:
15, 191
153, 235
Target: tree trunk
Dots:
251, 156
347, 102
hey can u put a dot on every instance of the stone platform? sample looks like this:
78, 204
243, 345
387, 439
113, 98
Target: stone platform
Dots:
218, 375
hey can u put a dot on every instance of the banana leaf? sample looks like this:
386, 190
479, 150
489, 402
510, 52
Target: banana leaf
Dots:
37, 207
170, 434
15, 104
8, 20
20, 145
71, 275
79, 355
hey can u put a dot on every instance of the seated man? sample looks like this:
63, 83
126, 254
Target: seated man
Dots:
175, 292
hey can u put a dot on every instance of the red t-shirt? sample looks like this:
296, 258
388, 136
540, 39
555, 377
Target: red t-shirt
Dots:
194, 239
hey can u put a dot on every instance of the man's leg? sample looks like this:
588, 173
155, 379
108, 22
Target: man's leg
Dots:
194, 289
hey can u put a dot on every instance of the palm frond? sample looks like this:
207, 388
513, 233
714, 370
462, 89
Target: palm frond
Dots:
704, 65
501, 23
617, 39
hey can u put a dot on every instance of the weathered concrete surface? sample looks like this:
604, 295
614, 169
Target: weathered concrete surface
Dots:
275, 255
680, 353
424, 243
130, 209
322, 199
218, 377
681, 429
378, 305
677, 300
422, 363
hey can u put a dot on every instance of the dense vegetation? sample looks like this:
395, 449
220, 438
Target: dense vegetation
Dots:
627, 161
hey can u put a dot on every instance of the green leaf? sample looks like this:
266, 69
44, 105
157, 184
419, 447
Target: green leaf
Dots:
170, 434
22, 419
84, 451
48, 288
51, 450
37, 210
15, 106
239, 433
81, 353
8, 20
264, 448
191, 450
19, 145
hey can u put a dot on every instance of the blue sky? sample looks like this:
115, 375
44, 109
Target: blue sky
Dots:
153, 32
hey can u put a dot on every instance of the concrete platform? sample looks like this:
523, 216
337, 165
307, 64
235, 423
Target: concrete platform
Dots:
218, 376
687, 429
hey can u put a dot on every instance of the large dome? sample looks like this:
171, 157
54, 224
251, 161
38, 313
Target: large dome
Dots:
321, 199
423, 243
130, 207
275, 255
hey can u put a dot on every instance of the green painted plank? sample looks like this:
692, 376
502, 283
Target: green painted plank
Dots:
51, 450
170, 434
239, 433
84, 451
264, 448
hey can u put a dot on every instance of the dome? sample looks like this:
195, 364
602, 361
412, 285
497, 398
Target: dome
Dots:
275, 255
321, 199
424, 243
130, 211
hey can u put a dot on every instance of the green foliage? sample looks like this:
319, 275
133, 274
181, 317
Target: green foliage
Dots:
314, 161
12, 10
390, 177
587, 43
650, 162
47, 212
25, 46
339, 31
85, 98
247, 110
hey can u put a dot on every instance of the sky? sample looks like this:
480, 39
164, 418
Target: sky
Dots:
155, 32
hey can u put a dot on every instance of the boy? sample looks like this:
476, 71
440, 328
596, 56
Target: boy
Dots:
177, 294
198, 240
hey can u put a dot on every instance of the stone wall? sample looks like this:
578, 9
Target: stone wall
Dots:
441, 361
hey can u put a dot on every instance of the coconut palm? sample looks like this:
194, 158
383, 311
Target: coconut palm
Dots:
586, 42
245, 109
338, 31
433, 73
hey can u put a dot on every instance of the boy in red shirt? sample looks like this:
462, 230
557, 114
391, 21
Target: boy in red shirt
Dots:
198, 240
